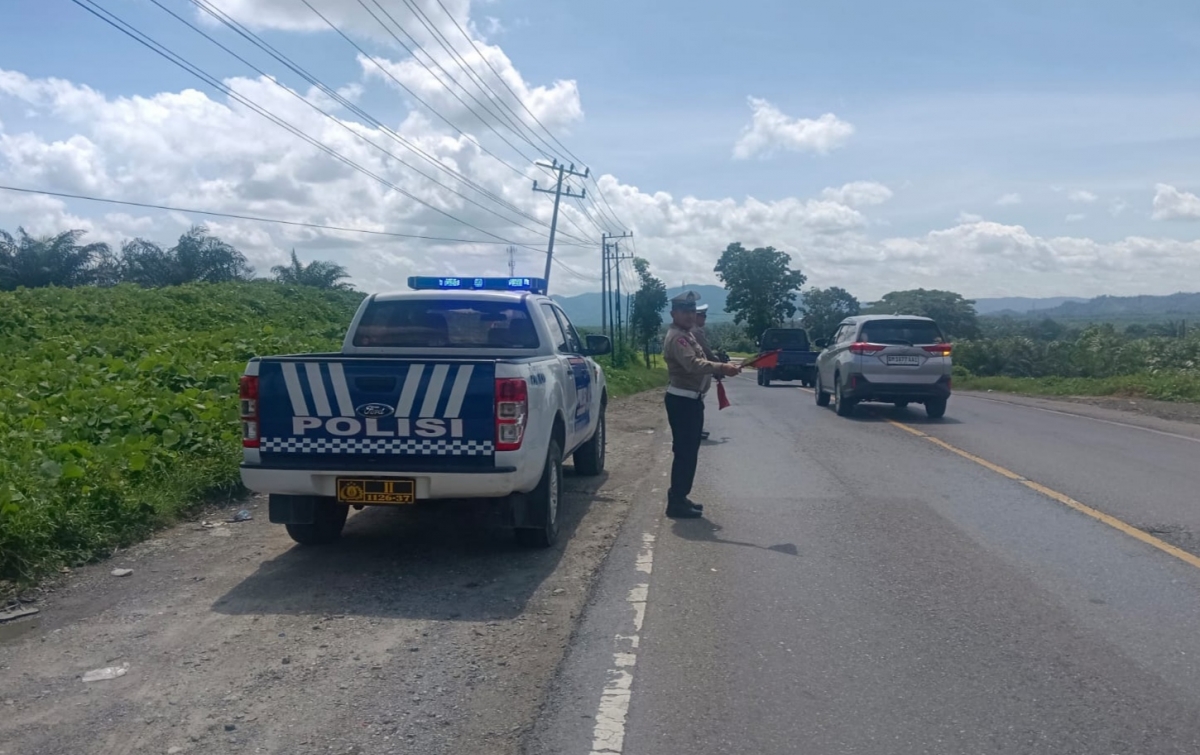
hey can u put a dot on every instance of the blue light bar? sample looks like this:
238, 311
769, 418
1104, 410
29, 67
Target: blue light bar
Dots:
430, 283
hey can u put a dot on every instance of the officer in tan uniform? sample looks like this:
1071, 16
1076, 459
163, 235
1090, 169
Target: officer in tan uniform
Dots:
690, 375
702, 338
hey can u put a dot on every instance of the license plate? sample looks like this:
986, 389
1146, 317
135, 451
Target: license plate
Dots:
378, 491
911, 361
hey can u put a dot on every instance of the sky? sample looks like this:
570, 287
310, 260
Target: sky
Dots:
994, 148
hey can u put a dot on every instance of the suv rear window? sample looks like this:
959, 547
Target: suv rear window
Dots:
786, 338
910, 332
446, 324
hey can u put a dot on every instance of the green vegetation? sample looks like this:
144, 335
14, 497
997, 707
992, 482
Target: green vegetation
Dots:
762, 286
118, 406
1171, 386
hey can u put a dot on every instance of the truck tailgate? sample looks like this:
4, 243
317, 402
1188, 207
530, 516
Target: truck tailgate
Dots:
369, 413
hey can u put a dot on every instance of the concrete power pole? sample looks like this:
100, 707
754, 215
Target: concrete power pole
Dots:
512, 262
558, 193
606, 258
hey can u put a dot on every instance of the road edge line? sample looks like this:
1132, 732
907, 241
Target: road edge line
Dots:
1054, 495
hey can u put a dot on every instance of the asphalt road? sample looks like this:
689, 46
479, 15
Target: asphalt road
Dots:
890, 585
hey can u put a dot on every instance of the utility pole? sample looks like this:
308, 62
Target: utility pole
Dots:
605, 284
558, 193
512, 262
615, 302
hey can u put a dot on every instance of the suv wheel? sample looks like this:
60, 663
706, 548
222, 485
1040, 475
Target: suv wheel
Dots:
844, 405
545, 498
820, 394
935, 408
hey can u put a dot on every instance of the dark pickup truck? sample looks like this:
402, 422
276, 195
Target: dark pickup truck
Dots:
797, 361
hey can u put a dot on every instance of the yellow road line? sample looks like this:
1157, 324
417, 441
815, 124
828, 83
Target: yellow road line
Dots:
1054, 495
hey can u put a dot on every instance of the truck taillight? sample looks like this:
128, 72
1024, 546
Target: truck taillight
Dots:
939, 349
512, 411
248, 393
866, 349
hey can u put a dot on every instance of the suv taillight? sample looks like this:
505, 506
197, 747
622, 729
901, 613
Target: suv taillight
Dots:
938, 349
512, 412
866, 349
248, 392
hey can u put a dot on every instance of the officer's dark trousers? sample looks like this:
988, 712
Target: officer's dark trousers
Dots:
686, 416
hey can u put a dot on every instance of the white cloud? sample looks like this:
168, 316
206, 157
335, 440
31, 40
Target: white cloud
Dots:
188, 150
1076, 217
1009, 200
1172, 204
1082, 196
858, 194
771, 131
1117, 207
969, 217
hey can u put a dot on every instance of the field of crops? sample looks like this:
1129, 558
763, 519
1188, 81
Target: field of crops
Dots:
118, 407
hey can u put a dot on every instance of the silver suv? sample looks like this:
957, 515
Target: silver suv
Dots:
895, 359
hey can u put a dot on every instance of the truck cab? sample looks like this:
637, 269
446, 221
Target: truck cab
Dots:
797, 360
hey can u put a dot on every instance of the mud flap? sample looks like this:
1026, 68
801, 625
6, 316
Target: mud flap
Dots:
292, 509
520, 513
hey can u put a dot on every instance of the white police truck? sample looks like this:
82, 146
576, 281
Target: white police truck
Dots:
459, 388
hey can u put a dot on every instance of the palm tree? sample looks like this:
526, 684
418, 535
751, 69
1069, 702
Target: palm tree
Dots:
56, 260
197, 257
318, 274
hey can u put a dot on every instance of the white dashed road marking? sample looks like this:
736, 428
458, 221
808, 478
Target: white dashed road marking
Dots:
608, 736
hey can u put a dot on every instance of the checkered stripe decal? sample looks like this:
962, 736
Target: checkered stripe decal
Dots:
416, 446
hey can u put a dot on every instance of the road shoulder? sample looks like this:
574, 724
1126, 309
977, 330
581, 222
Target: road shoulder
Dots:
1159, 416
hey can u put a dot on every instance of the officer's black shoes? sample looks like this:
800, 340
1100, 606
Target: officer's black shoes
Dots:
684, 509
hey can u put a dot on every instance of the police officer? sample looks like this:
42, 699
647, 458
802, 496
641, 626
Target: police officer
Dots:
690, 375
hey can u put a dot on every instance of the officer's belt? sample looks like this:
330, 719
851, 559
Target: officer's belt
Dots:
686, 394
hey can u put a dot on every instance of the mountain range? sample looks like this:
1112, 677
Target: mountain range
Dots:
584, 309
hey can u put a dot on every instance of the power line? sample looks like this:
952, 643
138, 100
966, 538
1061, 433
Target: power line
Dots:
366, 116
298, 223
149, 43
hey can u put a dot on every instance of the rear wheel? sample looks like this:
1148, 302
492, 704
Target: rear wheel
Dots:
759, 376
545, 499
589, 459
844, 406
329, 517
766, 377
820, 394
935, 408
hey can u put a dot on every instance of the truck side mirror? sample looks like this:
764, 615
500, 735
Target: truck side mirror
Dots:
598, 346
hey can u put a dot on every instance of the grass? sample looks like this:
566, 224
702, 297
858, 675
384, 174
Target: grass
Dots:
118, 407
1162, 386
633, 377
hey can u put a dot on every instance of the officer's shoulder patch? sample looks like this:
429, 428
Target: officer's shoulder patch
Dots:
682, 341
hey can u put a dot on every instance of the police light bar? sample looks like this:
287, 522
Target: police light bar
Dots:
429, 283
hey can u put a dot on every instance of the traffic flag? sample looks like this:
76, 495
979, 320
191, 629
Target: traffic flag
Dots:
722, 399
766, 360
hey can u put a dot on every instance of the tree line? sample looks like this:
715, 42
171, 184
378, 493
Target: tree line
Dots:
63, 260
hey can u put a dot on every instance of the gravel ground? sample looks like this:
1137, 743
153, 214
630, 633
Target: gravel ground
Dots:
421, 631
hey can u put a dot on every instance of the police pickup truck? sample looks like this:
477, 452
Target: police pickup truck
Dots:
460, 388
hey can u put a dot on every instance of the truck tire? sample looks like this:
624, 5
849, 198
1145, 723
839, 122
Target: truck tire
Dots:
329, 517
935, 408
766, 377
820, 394
545, 500
589, 458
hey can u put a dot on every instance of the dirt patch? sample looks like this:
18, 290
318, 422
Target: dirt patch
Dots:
424, 630
1169, 410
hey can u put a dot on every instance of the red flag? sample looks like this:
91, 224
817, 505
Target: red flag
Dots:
722, 399
766, 360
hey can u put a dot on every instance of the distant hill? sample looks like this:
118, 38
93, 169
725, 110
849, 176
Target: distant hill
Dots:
1118, 308
1019, 305
584, 309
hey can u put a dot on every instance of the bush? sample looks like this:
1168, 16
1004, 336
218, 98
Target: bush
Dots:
118, 407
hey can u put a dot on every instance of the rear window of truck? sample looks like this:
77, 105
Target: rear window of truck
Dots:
902, 332
446, 324
792, 339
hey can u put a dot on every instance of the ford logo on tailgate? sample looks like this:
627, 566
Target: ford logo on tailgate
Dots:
375, 410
